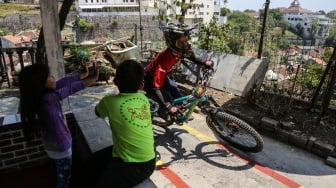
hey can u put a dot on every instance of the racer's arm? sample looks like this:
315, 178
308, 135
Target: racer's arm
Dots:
197, 60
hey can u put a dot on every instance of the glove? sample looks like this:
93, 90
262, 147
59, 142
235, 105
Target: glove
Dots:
208, 64
171, 108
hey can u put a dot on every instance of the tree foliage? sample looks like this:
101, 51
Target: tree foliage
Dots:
214, 36
242, 22
182, 5
225, 11
4, 31
331, 39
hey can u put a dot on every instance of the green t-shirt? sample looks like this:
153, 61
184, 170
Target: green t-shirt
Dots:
130, 120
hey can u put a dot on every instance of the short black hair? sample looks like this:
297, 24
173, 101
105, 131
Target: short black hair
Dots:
129, 76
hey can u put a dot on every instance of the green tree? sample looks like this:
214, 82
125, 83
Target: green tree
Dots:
313, 28
331, 39
83, 24
299, 29
183, 5
242, 22
225, 11
214, 37
3, 31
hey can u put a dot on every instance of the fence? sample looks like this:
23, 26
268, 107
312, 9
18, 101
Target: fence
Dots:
295, 66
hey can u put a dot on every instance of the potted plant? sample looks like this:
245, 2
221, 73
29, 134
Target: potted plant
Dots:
105, 73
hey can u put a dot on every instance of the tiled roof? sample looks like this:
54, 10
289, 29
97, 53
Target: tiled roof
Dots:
17, 39
295, 8
31, 34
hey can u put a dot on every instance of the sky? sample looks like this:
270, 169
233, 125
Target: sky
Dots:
313, 5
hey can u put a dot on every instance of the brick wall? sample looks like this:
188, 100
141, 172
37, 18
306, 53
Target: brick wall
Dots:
15, 153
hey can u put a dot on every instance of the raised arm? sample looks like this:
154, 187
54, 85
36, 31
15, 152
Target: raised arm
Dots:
89, 80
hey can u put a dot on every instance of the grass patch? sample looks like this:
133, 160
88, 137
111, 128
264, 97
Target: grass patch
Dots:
18, 8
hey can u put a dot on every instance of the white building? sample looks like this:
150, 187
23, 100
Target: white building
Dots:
200, 11
115, 7
295, 15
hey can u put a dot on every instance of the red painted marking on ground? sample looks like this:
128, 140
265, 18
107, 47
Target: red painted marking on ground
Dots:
174, 178
263, 169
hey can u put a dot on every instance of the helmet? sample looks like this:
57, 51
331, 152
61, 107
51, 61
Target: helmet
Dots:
172, 32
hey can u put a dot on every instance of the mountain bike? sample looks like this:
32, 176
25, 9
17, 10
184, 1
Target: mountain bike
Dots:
224, 125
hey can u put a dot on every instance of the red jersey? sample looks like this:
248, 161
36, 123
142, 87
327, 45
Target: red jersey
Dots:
161, 66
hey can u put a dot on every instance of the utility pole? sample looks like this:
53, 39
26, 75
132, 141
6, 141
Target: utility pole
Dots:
261, 42
140, 26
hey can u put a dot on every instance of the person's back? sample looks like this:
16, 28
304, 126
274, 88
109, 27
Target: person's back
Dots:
130, 122
131, 159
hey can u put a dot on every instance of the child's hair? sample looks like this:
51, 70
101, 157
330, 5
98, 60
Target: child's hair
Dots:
129, 76
32, 80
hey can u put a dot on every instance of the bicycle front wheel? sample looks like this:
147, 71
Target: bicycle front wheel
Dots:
235, 131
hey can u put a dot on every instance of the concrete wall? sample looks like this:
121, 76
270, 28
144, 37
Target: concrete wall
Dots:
233, 73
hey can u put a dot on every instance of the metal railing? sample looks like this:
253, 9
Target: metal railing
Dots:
288, 60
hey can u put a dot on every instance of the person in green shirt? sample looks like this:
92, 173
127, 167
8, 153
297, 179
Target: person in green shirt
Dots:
132, 156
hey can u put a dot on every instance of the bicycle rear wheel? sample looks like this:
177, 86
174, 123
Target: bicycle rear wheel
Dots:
235, 131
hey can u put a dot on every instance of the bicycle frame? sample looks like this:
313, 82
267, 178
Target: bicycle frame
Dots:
186, 104
226, 126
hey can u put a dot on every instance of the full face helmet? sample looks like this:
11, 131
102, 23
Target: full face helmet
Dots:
172, 32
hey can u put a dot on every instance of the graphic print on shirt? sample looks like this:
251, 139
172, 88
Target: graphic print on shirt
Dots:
135, 115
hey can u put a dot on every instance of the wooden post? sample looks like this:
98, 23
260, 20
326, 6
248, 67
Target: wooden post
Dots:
52, 37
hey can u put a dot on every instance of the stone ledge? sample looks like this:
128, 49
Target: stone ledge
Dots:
309, 144
272, 128
331, 161
95, 130
98, 135
269, 124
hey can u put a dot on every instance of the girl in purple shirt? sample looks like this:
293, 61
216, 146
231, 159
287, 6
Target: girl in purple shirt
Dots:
40, 104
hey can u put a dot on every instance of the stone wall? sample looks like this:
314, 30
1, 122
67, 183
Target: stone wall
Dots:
104, 25
16, 153
126, 26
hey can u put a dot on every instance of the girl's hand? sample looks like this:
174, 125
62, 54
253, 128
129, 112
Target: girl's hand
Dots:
85, 70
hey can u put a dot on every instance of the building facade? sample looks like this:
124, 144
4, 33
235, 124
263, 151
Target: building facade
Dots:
199, 11
310, 23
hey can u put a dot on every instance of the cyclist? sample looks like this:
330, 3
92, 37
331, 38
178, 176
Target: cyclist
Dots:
158, 85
